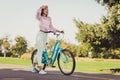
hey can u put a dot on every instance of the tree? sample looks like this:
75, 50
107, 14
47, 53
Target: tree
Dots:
102, 38
108, 3
72, 48
20, 47
90, 36
1, 42
6, 46
112, 24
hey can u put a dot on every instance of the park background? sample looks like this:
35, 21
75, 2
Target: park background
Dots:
92, 27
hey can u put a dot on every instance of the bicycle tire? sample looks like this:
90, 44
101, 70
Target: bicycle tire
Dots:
73, 62
32, 58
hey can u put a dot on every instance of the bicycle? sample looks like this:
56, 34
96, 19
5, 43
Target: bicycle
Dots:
65, 59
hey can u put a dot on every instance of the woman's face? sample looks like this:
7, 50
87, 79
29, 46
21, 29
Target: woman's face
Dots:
45, 11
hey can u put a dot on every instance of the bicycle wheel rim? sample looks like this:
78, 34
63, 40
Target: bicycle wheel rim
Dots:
66, 62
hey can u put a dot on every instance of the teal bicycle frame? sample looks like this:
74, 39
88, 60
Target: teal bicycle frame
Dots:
56, 50
62, 55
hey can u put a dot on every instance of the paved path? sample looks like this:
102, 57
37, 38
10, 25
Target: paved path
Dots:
12, 72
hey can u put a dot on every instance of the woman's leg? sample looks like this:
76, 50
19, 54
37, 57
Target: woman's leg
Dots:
41, 42
34, 61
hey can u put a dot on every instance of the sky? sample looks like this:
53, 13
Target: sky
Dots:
18, 17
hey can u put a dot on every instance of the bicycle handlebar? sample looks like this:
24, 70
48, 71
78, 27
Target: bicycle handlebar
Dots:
53, 32
57, 34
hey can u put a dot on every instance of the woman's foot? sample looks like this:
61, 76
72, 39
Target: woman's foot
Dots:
33, 69
42, 72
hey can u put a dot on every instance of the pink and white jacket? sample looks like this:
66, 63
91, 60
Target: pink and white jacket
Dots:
45, 23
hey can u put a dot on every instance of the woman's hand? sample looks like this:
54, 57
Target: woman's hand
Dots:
44, 6
60, 31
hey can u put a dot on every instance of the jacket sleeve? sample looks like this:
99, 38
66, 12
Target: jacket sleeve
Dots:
51, 26
38, 15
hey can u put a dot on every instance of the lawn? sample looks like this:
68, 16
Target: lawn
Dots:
15, 61
98, 65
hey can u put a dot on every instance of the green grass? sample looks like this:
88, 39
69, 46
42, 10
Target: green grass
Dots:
15, 61
85, 66
96, 66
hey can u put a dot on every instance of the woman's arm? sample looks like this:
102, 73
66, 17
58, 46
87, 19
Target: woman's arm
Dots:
52, 28
38, 16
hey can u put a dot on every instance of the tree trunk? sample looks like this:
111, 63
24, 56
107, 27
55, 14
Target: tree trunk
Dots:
4, 54
19, 55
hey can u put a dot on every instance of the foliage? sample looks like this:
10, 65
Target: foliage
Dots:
108, 3
26, 56
73, 48
103, 38
6, 46
30, 50
83, 50
91, 37
1, 41
112, 25
20, 47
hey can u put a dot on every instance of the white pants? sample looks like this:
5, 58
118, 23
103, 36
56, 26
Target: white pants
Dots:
41, 40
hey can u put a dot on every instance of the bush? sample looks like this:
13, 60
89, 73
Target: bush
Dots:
9, 54
1, 54
26, 56
83, 50
112, 54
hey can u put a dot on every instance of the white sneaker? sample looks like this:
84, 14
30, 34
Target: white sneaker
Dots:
33, 69
42, 72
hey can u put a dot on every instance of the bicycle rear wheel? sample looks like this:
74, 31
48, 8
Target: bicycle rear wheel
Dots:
33, 56
66, 62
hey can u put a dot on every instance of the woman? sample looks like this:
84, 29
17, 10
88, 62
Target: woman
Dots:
45, 25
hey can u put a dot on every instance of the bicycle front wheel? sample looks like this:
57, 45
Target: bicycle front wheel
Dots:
66, 62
